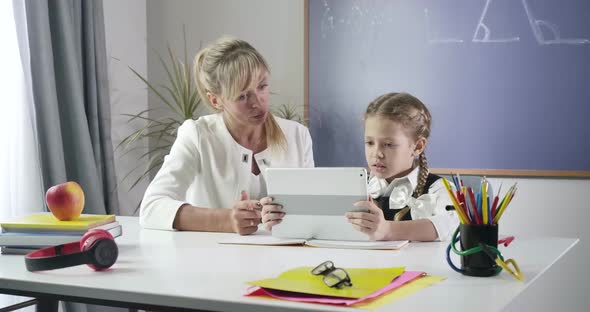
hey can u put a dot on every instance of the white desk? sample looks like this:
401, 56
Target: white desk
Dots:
159, 269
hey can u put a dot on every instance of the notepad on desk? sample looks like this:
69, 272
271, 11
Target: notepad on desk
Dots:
47, 222
264, 238
43, 229
37, 240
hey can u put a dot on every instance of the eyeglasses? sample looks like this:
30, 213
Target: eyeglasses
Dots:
333, 276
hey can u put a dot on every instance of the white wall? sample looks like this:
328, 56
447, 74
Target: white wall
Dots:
552, 207
125, 31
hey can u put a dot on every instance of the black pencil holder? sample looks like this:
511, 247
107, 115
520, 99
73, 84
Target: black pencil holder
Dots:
478, 264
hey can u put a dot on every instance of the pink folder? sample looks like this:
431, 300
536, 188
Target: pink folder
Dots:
300, 297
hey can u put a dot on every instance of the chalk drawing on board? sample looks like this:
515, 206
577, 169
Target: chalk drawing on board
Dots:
529, 85
327, 20
538, 24
486, 31
357, 19
432, 40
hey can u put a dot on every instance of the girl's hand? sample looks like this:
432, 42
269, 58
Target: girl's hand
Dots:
271, 213
372, 223
245, 215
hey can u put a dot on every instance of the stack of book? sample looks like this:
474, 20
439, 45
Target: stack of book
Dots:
28, 233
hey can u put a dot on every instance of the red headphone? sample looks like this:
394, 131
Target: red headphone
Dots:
97, 249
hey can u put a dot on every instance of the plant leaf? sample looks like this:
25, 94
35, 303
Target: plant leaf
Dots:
152, 88
177, 79
177, 99
146, 173
167, 69
181, 101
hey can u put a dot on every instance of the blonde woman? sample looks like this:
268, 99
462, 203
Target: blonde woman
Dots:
213, 177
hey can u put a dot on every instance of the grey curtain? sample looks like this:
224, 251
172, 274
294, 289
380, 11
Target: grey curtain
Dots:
70, 89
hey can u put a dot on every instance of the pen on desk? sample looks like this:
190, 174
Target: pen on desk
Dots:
473, 204
490, 198
495, 203
478, 201
490, 219
455, 180
458, 193
484, 200
513, 191
463, 207
465, 203
505, 201
462, 217
465, 211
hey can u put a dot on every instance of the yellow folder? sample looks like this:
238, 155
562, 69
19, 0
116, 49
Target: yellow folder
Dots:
401, 292
365, 281
46, 221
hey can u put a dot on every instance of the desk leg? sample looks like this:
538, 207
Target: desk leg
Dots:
46, 305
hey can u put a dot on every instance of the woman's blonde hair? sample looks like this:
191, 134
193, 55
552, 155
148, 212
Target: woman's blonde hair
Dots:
226, 68
415, 119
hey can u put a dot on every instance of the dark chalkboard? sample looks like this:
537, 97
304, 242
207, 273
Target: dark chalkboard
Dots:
507, 81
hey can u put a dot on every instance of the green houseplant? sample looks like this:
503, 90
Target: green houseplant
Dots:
181, 102
289, 111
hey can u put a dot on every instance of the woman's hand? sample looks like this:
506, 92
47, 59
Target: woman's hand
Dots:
271, 213
372, 223
245, 215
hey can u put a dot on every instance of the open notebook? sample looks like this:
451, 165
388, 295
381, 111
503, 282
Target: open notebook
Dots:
264, 238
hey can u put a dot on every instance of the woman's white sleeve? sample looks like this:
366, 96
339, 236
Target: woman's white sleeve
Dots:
167, 191
307, 150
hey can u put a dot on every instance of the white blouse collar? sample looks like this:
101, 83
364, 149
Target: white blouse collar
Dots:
400, 192
380, 187
263, 158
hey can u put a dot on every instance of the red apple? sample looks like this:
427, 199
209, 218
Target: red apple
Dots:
65, 200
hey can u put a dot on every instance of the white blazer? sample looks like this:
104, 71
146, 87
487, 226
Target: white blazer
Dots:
207, 168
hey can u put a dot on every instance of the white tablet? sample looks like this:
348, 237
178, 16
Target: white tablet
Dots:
315, 201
